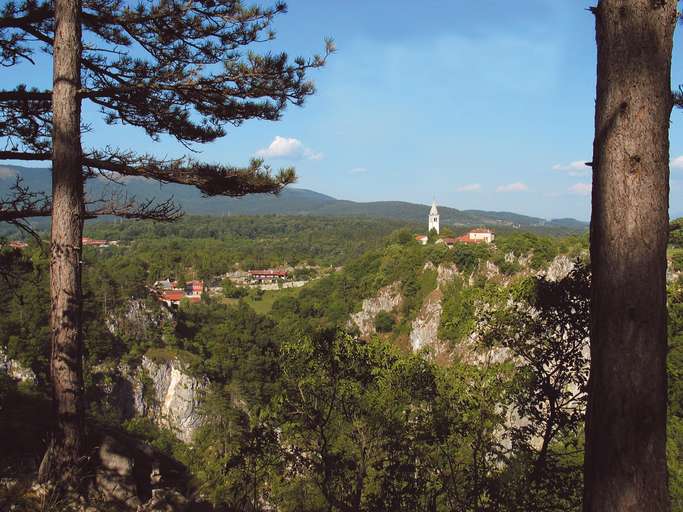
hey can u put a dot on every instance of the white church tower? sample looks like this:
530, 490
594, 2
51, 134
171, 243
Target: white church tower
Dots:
433, 219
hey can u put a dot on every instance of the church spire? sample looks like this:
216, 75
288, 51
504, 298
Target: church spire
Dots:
434, 219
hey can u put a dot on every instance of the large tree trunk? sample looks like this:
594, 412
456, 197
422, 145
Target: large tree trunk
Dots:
66, 447
625, 465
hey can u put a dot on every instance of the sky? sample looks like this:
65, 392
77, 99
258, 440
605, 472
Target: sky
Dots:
473, 104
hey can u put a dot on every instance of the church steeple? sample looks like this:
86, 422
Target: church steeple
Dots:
434, 219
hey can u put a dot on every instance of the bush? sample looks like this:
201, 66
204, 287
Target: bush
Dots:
231, 291
384, 322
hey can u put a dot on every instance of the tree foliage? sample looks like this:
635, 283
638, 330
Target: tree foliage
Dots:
175, 68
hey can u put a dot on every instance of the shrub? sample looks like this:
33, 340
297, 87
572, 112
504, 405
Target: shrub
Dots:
384, 322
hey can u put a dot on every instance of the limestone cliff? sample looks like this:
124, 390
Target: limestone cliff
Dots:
387, 299
160, 389
424, 329
175, 401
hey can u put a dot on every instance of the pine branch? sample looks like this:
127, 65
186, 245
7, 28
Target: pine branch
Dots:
120, 205
210, 179
23, 204
166, 92
25, 155
22, 94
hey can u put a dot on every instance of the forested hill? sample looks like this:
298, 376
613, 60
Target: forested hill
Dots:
292, 201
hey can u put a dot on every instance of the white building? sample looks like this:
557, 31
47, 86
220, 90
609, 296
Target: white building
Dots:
433, 219
481, 235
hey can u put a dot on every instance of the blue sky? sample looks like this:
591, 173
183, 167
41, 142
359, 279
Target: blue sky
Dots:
476, 104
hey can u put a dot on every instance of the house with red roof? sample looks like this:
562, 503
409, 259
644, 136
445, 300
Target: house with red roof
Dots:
194, 288
267, 276
17, 244
477, 236
174, 297
91, 242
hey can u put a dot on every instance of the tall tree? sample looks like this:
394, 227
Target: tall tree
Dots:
173, 67
625, 463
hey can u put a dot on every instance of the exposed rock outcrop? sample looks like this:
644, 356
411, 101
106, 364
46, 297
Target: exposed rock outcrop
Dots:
559, 268
140, 319
175, 403
159, 389
445, 274
387, 299
15, 369
424, 330
114, 480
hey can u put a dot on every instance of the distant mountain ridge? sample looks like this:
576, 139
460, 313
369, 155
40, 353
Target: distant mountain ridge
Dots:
292, 201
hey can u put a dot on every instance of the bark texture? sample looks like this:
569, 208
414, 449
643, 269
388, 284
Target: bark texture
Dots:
66, 447
625, 464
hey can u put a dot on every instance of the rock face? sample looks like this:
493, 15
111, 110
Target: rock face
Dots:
160, 390
445, 274
387, 299
133, 476
139, 319
15, 369
176, 397
424, 331
114, 479
559, 268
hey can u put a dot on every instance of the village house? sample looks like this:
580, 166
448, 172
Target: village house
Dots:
267, 276
175, 297
448, 241
193, 288
91, 242
478, 235
17, 244
474, 236
168, 292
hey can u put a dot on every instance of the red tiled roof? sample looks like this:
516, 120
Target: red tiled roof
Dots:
465, 239
17, 244
481, 230
173, 295
91, 241
421, 237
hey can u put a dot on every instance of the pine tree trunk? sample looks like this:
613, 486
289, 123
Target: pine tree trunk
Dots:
625, 465
66, 370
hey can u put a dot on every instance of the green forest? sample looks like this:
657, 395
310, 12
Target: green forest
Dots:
214, 302
299, 413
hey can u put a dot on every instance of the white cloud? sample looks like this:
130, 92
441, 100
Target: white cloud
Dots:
576, 168
288, 148
677, 163
7, 172
472, 187
581, 189
358, 170
513, 187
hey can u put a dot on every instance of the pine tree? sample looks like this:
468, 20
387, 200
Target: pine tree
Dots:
176, 67
625, 463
